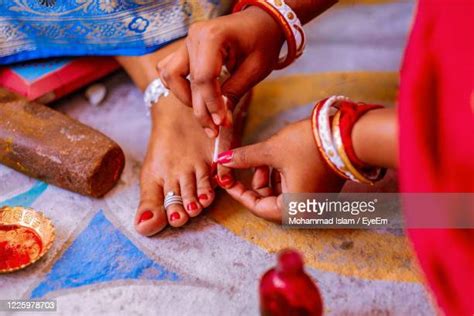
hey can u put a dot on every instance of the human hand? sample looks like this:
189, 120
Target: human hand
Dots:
297, 166
248, 43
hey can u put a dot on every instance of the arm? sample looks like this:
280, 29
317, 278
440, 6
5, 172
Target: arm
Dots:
375, 138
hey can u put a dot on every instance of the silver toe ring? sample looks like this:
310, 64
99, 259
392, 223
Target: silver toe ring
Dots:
171, 198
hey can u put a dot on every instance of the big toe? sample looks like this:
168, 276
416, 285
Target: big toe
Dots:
151, 216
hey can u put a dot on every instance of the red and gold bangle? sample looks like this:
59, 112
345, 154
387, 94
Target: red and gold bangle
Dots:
332, 146
288, 21
360, 177
350, 113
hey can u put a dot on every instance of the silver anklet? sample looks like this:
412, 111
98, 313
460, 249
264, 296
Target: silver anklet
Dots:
153, 93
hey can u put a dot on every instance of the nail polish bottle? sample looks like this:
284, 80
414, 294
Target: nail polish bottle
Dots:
288, 290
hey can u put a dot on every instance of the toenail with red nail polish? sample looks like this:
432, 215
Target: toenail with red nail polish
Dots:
175, 216
203, 197
145, 216
192, 206
225, 157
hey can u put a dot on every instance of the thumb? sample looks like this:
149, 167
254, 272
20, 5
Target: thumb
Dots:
246, 157
245, 77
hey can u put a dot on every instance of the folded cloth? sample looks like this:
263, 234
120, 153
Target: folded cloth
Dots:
48, 28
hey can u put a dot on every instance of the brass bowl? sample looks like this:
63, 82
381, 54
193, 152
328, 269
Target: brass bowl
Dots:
28, 232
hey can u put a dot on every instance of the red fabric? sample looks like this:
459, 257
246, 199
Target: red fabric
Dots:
437, 140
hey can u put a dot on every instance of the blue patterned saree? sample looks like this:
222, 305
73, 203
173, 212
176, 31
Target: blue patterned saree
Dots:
31, 29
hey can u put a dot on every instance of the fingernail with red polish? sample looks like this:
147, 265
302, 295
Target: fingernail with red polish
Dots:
192, 206
225, 157
225, 181
145, 216
203, 197
175, 216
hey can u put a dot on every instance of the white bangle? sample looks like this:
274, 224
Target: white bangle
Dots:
325, 135
296, 26
288, 22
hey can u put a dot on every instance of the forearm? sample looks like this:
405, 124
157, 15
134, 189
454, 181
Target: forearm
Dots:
306, 10
375, 138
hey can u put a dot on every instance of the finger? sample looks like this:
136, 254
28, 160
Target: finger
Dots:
247, 157
224, 177
261, 181
268, 208
211, 94
244, 78
203, 116
173, 71
206, 60
276, 181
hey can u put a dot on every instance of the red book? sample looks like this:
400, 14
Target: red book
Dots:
49, 79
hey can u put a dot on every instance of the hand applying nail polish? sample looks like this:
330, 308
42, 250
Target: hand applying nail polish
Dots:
278, 172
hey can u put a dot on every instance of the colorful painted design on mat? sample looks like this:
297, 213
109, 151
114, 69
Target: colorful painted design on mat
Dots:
27, 198
101, 253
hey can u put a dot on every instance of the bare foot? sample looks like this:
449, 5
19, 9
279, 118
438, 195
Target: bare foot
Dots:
178, 158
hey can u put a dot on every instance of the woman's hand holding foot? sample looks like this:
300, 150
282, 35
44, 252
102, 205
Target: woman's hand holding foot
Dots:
248, 43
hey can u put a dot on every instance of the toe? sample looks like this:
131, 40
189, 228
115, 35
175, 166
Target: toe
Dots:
150, 217
177, 216
205, 192
225, 178
188, 192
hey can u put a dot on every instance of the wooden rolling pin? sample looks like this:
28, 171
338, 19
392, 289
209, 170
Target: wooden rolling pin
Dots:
48, 145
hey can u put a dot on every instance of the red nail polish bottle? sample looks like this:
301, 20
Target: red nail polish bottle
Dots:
288, 290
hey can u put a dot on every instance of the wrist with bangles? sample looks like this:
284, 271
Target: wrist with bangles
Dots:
289, 23
332, 121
